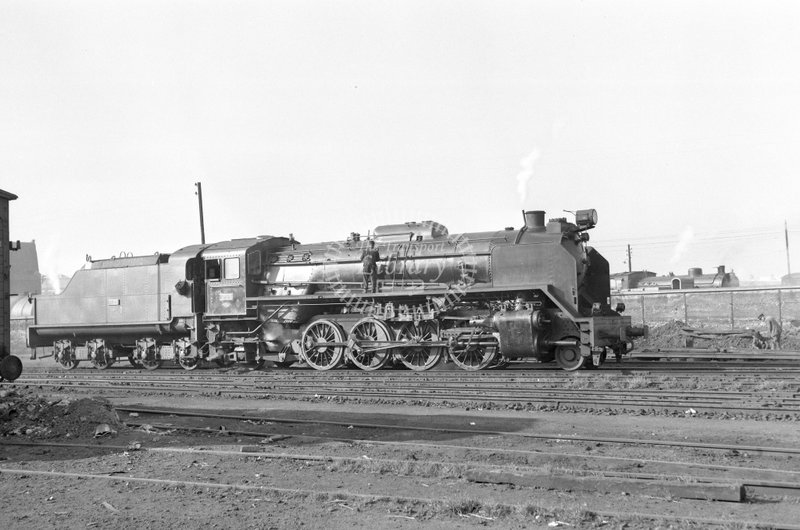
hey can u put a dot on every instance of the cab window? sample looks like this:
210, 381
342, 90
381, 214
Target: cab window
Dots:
212, 269
231, 268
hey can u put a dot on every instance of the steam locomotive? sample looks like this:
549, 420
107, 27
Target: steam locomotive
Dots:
477, 299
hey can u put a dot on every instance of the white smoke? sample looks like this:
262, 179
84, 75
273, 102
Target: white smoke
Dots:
524, 176
687, 236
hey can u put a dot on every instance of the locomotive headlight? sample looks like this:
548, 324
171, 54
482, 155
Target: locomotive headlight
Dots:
586, 219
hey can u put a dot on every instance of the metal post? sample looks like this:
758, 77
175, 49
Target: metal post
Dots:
733, 316
199, 194
644, 320
685, 310
786, 233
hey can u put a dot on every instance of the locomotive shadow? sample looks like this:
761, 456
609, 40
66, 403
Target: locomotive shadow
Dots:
439, 428
314, 427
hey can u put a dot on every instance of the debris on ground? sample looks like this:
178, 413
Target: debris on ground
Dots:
25, 413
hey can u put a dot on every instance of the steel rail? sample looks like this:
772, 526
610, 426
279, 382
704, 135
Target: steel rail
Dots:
494, 386
747, 473
629, 441
390, 375
515, 369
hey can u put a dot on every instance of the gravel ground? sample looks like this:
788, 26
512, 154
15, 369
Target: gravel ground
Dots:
362, 491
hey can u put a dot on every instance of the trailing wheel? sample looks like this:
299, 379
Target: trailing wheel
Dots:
184, 355
569, 357
475, 354
323, 345
419, 357
367, 344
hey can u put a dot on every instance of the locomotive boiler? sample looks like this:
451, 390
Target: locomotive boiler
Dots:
477, 299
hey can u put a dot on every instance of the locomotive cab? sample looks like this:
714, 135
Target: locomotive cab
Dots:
224, 281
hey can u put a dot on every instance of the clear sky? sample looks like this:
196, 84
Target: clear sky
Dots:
678, 121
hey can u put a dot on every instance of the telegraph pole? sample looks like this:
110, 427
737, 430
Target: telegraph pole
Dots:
630, 268
786, 233
199, 194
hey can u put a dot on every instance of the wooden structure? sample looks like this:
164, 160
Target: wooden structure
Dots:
5, 309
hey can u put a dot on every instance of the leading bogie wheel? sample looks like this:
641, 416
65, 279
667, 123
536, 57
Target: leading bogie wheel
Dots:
569, 357
419, 357
368, 346
477, 356
323, 345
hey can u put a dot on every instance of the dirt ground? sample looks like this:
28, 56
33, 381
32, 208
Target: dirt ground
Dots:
112, 475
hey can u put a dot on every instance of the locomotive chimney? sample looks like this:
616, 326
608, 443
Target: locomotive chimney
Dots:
721, 269
534, 220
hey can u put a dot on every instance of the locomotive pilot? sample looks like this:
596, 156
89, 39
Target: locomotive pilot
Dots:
369, 261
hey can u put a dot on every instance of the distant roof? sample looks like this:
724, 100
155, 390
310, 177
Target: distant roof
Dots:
7, 196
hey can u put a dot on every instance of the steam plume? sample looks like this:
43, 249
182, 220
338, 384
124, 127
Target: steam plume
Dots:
525, 175
683, 243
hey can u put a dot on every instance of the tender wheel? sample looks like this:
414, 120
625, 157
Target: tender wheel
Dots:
151, 364
134, 362
569, 357
322, 345
146, 353
66, 360
476, 356
367, 344
102, 360
189, 363
420, 357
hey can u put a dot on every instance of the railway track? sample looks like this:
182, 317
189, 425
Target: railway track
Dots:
734, 390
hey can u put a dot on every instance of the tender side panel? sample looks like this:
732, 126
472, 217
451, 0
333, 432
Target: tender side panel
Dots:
132, 295
125, 295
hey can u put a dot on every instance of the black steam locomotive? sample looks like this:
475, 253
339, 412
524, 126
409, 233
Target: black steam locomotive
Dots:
477, 299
